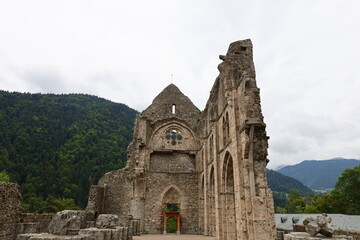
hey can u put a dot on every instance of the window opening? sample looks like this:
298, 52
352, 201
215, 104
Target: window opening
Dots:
173, 109
171, 207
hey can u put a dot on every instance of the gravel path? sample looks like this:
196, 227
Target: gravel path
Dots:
173, 237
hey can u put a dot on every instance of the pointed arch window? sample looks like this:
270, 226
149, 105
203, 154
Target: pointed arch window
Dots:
226, 129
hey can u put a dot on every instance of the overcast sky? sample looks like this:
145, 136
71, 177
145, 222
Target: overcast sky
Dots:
306, 54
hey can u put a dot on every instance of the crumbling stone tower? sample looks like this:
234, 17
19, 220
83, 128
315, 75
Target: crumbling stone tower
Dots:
210, 164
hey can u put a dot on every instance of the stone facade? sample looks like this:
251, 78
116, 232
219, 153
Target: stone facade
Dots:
211, 164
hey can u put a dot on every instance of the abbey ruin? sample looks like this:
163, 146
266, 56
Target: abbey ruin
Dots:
210, 165
206, 170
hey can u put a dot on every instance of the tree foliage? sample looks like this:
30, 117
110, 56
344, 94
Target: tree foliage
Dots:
295, 202
4, 177
281, 185
347, 190
345, 198
56, 146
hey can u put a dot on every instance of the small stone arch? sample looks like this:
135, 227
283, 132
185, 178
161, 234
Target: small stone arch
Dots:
172, 194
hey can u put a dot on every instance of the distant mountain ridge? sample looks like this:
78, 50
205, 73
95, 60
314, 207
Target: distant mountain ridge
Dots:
319, 174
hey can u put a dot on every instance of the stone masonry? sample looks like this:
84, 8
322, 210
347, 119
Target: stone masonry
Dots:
211, 164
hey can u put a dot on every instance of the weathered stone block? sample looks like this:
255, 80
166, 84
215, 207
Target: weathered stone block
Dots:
107, 221
104, 234
67, 222
320, 224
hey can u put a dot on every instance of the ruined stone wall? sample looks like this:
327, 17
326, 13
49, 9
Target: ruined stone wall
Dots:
10, 210
95, 201
118, 190
239, 204
34, 223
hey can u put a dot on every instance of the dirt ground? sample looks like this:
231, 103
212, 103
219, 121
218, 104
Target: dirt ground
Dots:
173, 237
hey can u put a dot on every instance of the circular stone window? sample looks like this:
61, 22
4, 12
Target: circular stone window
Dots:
173, 137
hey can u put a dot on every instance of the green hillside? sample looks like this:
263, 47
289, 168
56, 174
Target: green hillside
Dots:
319, 175
58, 145
281, 185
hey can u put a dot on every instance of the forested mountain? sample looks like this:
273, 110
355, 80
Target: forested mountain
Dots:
282, 185
58, 145
319, 175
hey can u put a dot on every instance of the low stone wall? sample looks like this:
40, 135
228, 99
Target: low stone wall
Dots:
119, 233
68, 224
34, 223
306, 236
354, 234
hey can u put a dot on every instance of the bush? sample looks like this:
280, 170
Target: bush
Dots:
4, 177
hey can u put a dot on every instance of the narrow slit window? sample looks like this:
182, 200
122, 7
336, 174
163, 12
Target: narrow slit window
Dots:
173, 109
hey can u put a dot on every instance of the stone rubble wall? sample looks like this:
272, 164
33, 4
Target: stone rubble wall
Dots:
172, 162
95, 202
354, 234
67, 225
118, 191
34, 223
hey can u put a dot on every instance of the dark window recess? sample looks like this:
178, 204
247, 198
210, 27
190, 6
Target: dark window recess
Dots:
171, 207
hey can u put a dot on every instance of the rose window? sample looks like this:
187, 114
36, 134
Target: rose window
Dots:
173, 137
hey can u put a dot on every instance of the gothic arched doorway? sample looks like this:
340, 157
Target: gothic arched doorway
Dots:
171, 205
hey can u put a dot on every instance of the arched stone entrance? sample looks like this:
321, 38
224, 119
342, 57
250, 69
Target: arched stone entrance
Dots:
171, 205
228, 200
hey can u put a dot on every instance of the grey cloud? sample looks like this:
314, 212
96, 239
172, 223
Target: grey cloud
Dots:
47, 80
306, 56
